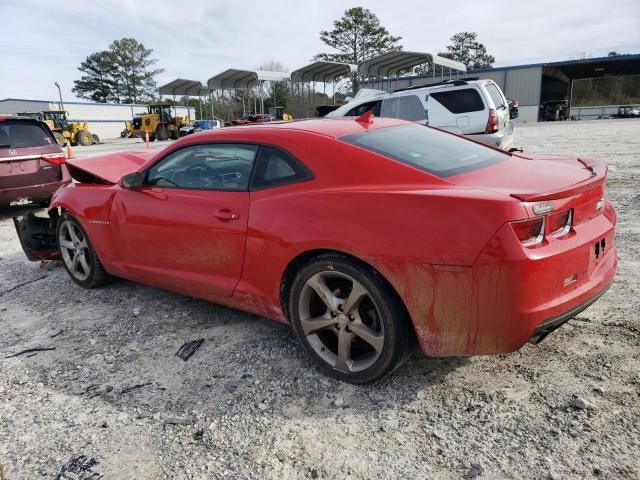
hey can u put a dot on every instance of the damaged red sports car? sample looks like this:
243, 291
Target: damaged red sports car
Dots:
366, 235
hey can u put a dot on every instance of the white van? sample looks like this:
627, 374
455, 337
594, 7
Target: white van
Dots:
474, 108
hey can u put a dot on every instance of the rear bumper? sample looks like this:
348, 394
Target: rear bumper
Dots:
33, 192
502, 139
512, 295
545, 328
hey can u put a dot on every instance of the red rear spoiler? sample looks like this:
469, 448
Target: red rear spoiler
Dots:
598, 173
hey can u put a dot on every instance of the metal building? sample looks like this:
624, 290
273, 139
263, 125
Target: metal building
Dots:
534, 83
105, 119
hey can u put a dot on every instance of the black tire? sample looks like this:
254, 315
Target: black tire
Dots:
96, 276
162, 133
123, 134
84, 138
390, 317
96, 139
174, 135
59, 138
151, 138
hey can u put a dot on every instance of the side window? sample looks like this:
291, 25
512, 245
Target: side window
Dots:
405, 107
460, 101
365, 107
275, 167
223, 166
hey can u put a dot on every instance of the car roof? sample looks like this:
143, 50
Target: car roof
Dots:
330, 127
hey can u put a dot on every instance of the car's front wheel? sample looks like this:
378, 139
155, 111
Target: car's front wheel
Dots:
348, 319
80, 259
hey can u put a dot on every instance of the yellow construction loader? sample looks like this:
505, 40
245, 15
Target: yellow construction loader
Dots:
158, 122
64, 131
278, 113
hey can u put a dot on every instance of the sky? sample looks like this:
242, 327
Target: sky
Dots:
42, 42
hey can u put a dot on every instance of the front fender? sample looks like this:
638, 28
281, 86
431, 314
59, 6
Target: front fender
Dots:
90, 204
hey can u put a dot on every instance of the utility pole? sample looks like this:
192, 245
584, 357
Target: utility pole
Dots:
60, 94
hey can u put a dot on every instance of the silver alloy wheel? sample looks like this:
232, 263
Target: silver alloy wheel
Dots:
74, 249
341, 321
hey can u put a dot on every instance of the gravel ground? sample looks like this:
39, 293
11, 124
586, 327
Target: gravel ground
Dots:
114, 401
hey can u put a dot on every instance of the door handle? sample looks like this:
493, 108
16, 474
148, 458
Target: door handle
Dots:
226, 215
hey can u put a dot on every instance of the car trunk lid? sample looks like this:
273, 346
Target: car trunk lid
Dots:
541, 178
536, 177
22, 166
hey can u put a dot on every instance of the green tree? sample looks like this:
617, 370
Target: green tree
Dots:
135, 67
100, 80
357, 36
124, 73
466, 48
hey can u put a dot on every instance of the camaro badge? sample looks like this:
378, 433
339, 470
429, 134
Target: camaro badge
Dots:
542, 208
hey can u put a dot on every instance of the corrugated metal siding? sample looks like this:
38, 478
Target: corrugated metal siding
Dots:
524, 85
498, 76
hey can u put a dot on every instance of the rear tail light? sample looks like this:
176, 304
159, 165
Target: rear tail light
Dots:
492, 123
54, 158
560, 223
529, 232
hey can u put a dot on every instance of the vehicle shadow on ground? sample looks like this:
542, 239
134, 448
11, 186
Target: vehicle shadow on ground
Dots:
127, 335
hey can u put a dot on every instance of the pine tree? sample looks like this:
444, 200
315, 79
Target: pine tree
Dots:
357, 36
466, 48
124, 74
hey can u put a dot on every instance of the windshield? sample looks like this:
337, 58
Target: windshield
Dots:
433, 151
54, 116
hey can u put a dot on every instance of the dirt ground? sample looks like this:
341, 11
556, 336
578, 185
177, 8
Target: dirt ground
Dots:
114, 401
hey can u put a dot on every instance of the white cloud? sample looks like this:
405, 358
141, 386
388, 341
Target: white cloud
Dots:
42, 42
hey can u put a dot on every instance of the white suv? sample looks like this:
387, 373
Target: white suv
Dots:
474, 108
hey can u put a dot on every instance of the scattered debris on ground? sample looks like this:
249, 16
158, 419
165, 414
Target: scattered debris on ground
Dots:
250, 405
189, 349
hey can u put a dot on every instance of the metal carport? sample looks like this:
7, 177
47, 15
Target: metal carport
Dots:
182, 87
391, 64
236, 79
322, 71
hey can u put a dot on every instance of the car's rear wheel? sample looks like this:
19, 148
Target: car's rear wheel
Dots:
78, 256
59, 138
84, 138
348, 319
95, 138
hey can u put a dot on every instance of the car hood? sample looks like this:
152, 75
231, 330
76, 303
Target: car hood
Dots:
108, 168
536, 177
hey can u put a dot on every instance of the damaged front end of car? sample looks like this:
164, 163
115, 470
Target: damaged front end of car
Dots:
38, 235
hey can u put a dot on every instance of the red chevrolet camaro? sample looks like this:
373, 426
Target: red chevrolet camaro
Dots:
364, 234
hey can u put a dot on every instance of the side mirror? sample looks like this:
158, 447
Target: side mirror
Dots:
133, 180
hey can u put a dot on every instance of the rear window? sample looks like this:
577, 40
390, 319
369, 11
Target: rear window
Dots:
460, 101
495, 94
22, 134
439, 153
